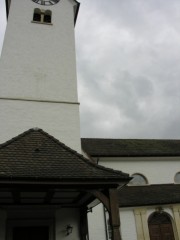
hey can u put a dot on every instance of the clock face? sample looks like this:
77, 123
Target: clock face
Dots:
46, 2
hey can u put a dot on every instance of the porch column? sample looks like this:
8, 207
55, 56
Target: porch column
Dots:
83, 224
2, 224
114, 214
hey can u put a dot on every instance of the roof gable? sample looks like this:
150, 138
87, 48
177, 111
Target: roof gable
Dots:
36, 155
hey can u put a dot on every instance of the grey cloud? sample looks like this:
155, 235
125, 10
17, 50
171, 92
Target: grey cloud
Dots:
130, 68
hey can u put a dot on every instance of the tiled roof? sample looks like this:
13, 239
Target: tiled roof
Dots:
130, 196
130, 147
37, 155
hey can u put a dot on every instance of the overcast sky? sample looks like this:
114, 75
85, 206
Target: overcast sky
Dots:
128, 64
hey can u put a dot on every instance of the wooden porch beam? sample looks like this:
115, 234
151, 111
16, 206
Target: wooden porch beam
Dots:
49, 196
114, 214
16, 196
102, 198
83, 224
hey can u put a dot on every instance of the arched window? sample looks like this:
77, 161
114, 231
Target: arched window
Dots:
47, 16
37, 15
177, 178
160, 226
138, 179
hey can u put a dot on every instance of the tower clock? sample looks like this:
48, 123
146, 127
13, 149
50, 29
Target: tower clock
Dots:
46, 2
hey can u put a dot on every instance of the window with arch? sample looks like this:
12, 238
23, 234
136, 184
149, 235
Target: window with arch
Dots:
37, 15
138, 179
42, 16
160, 226
177, 177
47, 16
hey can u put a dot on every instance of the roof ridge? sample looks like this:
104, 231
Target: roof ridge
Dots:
132, 139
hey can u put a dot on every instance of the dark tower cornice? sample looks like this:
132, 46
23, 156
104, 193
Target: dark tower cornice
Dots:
8, 3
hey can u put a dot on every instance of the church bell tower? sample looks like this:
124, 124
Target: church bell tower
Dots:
38, 70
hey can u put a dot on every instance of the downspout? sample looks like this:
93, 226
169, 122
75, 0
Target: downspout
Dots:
105, 223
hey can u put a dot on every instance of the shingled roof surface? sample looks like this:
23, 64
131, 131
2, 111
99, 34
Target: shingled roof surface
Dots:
130, 147
130, 196
37, 155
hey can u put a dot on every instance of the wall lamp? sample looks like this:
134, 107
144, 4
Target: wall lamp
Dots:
69, 229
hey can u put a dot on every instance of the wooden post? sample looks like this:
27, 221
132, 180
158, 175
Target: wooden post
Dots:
114, 214
83, 224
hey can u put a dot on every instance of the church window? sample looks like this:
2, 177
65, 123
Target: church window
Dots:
177, 178
138, 179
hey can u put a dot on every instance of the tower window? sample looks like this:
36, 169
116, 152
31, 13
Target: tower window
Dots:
47, 16
41, 16
37, 15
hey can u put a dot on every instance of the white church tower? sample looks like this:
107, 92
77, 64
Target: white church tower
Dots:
38, 85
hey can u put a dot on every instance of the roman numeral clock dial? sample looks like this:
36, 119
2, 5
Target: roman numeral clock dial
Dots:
46, 2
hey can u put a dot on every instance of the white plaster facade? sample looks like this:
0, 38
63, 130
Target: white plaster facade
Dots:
38, 73
157, 170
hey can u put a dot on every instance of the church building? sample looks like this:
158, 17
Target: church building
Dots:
53, 184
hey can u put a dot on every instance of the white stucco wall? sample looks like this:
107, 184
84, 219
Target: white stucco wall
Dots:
128, 227
59, 120
97, 229
96, 223
38, 60
157, 170
63, 218
38, 63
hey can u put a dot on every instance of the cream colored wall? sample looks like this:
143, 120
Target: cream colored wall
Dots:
142, 215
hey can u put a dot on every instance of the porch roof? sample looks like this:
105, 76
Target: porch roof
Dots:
35, 155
